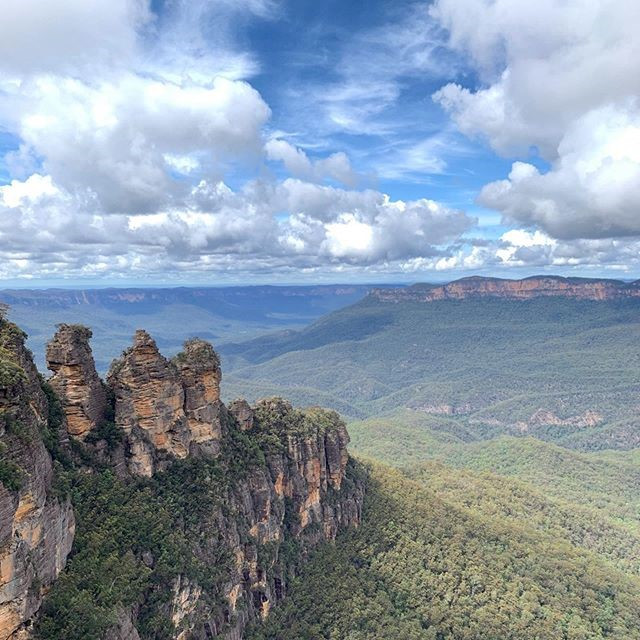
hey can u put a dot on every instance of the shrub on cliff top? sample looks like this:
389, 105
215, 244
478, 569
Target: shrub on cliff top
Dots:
197, 352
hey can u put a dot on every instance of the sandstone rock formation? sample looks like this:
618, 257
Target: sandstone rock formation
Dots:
36, 527
298, 497
75, 379
149, 405
199, 368
166, 409
525, 289
283, 478
243, 413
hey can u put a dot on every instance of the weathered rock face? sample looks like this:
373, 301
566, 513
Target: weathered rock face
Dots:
166, 409
199, 368
283, 481
123, 628
269, 515
149, 405
36, 527
305, 494
525, 289
243, 413
75, 379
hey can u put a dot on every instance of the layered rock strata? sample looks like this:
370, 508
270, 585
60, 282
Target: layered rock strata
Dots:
525, 289
36, 526
166, 409
303, 495
199, 369
294, 489
75, 379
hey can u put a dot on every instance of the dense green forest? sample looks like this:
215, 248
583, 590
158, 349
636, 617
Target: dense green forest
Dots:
559, 369
510, 508
445, 554
466, 538
608, 481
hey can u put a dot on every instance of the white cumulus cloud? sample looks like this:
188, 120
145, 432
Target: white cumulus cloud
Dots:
591, 191
336, 166
563, 77
69, 37
112, 138
49, 229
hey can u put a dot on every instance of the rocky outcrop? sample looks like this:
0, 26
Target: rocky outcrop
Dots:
303, 495
75, 379
541, 419
443, 409
199, 368
243, 413
589, 418
166, 409
525, 289
273, 509
149, 405
283, 482
36, 526
123, 628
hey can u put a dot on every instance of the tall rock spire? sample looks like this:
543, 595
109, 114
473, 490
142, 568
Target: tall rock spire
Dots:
75, 379
199, 368
166, 409
149, 405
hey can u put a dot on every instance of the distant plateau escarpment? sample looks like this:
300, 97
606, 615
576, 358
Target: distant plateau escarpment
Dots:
525, 289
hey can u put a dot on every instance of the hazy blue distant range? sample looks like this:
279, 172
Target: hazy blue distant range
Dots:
218, 314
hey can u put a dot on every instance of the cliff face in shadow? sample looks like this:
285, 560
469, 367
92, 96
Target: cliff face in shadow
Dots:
192, 517
36, 525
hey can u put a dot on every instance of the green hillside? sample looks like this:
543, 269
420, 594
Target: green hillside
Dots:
477, 537
559, 369
466, 555
608, 482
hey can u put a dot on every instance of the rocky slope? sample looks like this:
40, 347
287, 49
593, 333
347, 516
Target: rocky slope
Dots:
75, 379
525, 289
245, 494
36, 526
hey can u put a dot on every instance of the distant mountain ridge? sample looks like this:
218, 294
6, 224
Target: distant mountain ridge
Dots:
173, 314
563, 367
524, 289
231, 301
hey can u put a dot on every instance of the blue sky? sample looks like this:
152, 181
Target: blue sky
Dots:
406, 147
225, 141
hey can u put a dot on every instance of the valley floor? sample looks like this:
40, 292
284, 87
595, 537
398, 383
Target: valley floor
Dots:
448, 554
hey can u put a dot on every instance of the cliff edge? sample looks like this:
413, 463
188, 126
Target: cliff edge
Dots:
190, 518
36, 524
525, 289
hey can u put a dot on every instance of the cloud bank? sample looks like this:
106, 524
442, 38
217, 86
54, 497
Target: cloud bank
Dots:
127, 125
563, 78
139, 145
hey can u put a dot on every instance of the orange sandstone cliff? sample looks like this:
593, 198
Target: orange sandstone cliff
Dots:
525, 289
302, 490
36, 526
